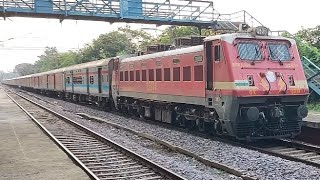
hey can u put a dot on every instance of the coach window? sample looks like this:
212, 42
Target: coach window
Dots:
91, 80
151, 75
126, 75
137, 75
187, 73
217, 53
158, 75
198, 73
68, 80
166, 72
176, 74
121, 76
131, 75
144, 75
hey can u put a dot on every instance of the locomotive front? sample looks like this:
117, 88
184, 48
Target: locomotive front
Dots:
269, 88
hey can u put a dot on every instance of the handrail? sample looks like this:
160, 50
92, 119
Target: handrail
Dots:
305, 58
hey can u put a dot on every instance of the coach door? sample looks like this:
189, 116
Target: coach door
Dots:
54, 81
115, 80
100, 79
87, 80
213, 72
209, 65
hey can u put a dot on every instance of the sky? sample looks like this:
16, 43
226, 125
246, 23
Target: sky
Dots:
22, 40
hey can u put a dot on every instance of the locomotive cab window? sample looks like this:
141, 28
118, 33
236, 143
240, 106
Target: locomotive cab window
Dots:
278, 52
249, 51
217, 53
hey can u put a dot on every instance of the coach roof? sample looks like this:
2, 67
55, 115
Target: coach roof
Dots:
165, 53
103, 62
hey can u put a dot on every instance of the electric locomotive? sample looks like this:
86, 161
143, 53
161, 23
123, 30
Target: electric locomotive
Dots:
248, 85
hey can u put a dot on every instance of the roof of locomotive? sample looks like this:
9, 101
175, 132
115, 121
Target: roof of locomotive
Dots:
165, 53
231, 37
102, 62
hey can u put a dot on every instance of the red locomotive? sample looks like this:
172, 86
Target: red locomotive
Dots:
247, 85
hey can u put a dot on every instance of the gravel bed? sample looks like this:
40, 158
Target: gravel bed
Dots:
254, 163
181, 164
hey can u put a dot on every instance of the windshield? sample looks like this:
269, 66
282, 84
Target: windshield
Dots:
278, 52
249, 51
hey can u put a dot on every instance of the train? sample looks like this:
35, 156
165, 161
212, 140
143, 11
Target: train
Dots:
248, 85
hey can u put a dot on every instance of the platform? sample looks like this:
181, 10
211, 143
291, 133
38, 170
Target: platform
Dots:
312, 120
26, 152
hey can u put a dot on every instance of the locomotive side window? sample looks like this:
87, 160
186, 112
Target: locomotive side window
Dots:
278, 52
144, 75
176, 74
126, 76
158, 75
131, 76
249, 51
217, 53
187, 73
121, 76
137, 75
166, 72
198, 73
151, 75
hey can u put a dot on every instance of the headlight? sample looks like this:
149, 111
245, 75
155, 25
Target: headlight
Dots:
271, 76
262, 31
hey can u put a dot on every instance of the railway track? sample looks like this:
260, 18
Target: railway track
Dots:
291, 150
286, 149
99, 157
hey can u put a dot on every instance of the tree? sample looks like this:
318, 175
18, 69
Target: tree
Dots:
120, 42
48, 60
305, 47
310, 35
24, 69
170, 33
67, 58
173, 32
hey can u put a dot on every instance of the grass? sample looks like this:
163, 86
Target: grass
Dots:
314, 106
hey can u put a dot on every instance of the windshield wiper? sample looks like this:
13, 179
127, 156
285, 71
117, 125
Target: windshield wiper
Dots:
280, 62
256, 55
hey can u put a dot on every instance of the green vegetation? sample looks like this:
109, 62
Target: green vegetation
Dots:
314, 106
